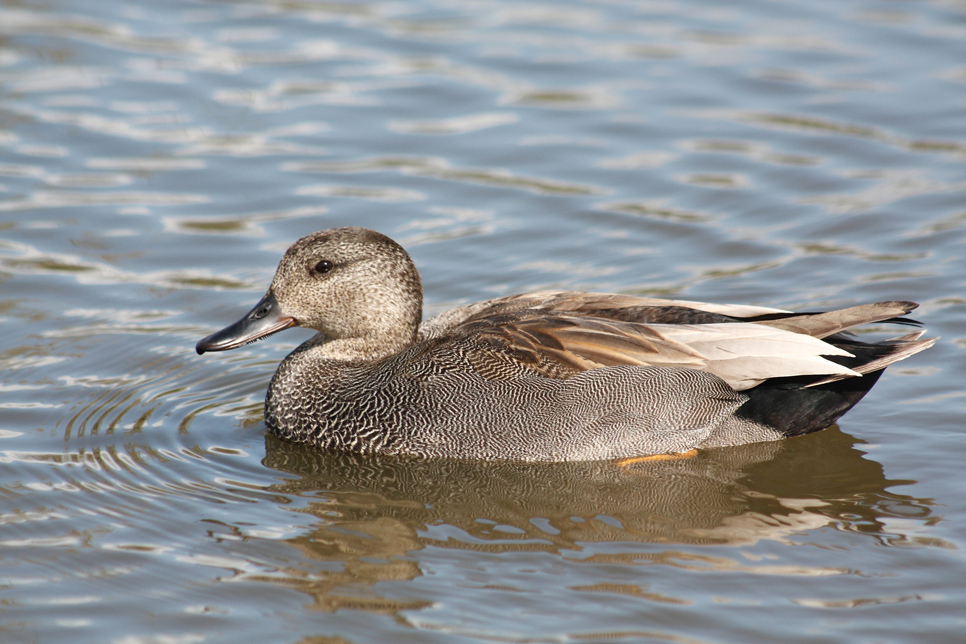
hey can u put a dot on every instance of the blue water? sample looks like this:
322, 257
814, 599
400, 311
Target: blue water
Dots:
158, 157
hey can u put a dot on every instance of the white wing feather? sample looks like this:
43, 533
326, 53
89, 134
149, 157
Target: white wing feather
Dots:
745, 354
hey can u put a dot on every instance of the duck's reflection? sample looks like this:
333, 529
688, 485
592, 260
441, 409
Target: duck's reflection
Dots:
372, 511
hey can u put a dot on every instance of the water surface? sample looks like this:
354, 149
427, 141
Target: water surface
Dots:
156, 158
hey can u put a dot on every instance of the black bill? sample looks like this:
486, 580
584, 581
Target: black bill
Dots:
263, 320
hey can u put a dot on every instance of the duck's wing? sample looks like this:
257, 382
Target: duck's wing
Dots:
624, 307
742, 354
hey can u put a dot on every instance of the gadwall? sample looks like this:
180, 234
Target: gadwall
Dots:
544, 376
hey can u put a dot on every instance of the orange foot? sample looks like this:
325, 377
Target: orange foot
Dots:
624, 462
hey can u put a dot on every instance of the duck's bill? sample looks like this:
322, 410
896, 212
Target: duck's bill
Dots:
263, 320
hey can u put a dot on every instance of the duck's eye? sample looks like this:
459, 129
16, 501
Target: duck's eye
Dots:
323, 267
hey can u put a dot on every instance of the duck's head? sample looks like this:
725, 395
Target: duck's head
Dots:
349, 284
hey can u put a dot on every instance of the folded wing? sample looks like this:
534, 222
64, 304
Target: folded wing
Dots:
742, 354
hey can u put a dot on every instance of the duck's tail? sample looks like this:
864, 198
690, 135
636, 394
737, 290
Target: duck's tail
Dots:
880, 356
800, 405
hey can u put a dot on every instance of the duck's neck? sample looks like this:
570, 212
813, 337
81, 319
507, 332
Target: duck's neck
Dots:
356, 350
376, 328
314, 395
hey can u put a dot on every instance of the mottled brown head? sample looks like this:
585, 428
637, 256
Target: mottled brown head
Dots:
350, 283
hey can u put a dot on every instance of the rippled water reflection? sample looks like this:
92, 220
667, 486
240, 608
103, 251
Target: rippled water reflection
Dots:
156, 158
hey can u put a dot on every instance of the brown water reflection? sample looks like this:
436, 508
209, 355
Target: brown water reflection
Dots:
375, 513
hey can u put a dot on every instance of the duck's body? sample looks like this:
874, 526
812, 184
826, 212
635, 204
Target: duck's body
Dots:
548, 376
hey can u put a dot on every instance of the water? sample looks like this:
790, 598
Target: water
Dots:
156, 158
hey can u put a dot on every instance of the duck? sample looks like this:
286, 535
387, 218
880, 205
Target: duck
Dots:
552, 375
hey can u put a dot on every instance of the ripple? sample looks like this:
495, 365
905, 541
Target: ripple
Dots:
129, 477
370, 193
487, 78
449, 223
556, 267
43, 542
455, 125
62, 78
19, 170
646, 50
20, 21
214, 225
21, 516
709, 564
249, 224
27, 358
815, 124
246, 145
286, 95
559, 139
813, 80
112, 126
858, 603
764, 40
945, 224
67, 198
440, 169
195, 140
638, 160
27, 260
888, 186
146, 164
717, 180
247, 34
588, 98
162, 388
655, 210
143, 108
49, 151
842, 249
631, 590
750, 149
26, 405
89, 180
